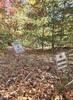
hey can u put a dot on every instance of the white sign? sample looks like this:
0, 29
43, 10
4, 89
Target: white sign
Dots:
61, 60
18, 47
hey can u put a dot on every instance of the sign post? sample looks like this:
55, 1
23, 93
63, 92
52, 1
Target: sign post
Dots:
61, 60
17, 47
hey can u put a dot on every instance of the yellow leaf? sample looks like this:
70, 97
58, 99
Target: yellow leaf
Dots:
23, 98
32, 2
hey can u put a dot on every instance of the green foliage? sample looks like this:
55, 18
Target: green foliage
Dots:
60, 87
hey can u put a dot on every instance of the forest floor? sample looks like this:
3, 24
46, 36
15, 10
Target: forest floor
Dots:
33, 76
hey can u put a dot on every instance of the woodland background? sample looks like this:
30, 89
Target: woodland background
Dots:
38, 25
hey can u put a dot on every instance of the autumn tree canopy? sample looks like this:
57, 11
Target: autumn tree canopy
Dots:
37, 22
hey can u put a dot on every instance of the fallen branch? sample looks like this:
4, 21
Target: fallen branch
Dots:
69, 83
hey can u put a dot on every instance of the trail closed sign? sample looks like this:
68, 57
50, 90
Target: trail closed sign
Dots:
18, 47
61, 60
